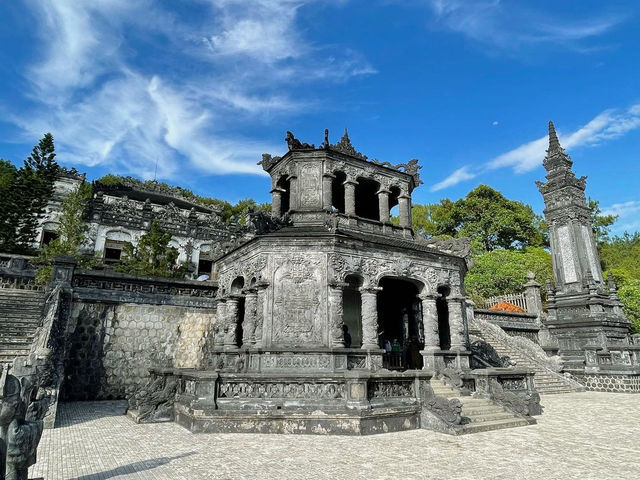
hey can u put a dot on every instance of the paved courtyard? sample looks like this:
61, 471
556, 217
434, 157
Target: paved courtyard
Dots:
581, 435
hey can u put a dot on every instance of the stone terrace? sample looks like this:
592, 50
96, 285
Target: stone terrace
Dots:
581, 435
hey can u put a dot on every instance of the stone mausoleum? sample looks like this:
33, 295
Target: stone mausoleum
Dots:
305, 311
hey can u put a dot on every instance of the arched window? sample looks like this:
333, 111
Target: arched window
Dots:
284, 184
366, 199
337, 191
443, 317
351, 310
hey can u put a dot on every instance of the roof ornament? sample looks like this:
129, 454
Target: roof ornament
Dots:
345, 146
325, 144
294, 144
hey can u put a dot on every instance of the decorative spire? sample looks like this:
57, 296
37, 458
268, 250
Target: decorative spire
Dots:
345, 146
554, 143
556, 158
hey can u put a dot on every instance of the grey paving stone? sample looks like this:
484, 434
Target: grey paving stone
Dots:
588, 435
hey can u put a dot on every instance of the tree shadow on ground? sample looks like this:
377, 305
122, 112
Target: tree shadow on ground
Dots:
134, 467
75, 413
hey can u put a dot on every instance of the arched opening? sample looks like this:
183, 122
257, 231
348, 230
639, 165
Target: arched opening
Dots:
284, 184
351, 312
114, 245
443, 317
394, 208
400, 320
366, 199
337, 191
236, 289
205, 261
49, 233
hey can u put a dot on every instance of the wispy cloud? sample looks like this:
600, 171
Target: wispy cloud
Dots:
510, 27
608, 125
111, 100
628, 216
460, 175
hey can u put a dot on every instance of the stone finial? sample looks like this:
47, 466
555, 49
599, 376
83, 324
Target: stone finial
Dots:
554, 143
325, 143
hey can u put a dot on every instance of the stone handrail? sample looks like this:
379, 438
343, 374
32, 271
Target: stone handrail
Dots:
523, 345
510, 387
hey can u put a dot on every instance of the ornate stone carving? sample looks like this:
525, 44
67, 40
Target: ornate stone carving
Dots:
268, 161
153, 401
19, 435
277, 390
522, 403
393, 389
344, 146
484, 355
297, 291
448, 410
294, 144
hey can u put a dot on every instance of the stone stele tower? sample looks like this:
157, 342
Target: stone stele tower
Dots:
583, 309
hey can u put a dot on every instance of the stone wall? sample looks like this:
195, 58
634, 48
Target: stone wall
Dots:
602, 382
114, 345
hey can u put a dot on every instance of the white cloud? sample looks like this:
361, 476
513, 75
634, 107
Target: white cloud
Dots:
494, 123
608, 125
460, 175
108, 103
628, 216
512, 26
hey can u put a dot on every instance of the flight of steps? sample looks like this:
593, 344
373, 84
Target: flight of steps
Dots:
545, 380
20, 312
480, 414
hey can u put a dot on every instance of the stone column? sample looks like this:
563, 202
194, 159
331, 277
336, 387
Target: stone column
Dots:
293, 193
249, 321
383, 205
327, 191
350, 197
404, 201
230, 341
457, 305
221, 322
276, 202
369, 312
532, 294
261, 293
63, 269
336, 309
430, 322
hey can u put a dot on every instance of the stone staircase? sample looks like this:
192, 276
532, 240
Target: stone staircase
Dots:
546, 380
20, 312
480, 414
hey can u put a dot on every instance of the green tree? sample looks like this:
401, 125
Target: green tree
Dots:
621, 257
71, 232
152, 255
601, 224
629, 295
505, 271
486, 216
30, 189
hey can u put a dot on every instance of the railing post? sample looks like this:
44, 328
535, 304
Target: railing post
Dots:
532, 295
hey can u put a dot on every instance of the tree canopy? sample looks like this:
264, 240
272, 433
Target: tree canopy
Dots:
24, 193
486, 216
505, 271
152, 255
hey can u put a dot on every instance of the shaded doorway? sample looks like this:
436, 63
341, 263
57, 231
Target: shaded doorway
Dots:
236, 290
351, 310
442, 308
400, 320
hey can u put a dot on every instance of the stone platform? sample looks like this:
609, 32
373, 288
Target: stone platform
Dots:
95, 441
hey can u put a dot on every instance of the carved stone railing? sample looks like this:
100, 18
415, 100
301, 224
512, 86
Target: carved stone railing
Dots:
522, 345
16, 272
515, 324
512, 388
613, 359
109, 285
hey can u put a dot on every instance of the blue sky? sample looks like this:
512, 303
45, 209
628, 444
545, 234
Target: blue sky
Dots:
203, 87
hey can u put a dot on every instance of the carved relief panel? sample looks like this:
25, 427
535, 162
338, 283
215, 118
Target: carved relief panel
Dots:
310, 186
298, 300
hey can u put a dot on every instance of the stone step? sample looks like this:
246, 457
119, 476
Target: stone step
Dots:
481, 409
494, 425
489, 417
